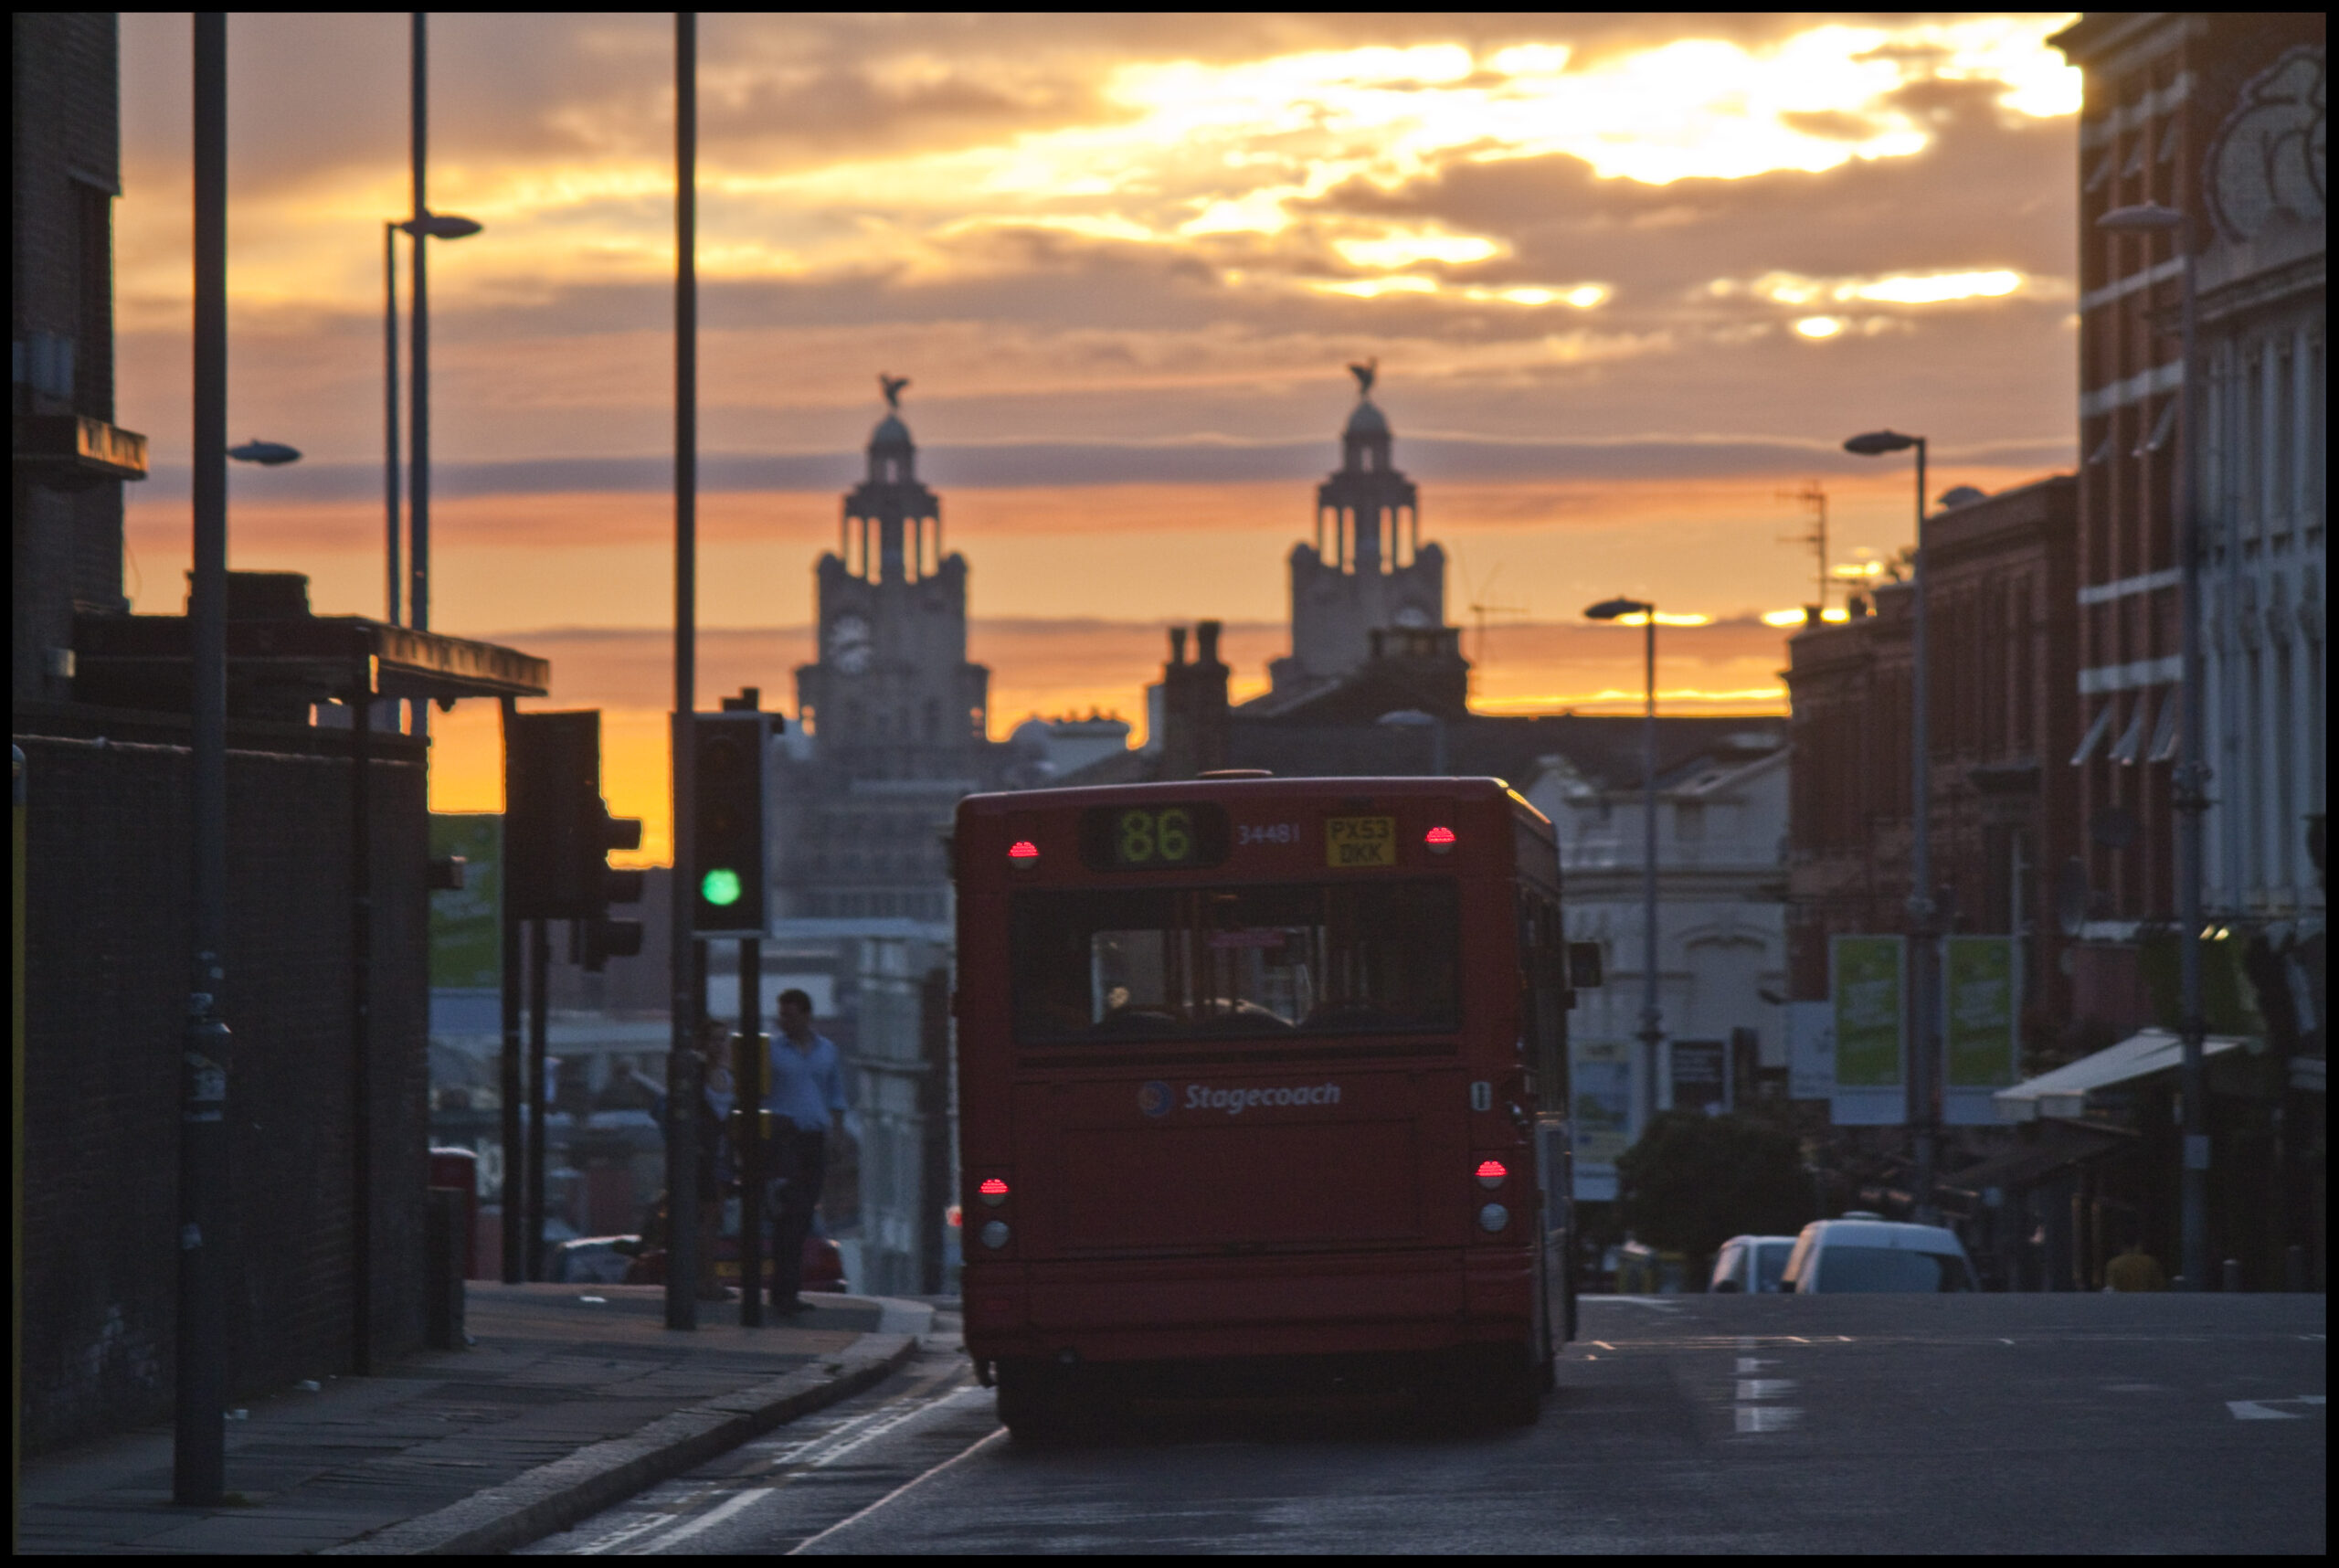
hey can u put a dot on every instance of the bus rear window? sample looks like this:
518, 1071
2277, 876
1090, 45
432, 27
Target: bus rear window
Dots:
1146, 964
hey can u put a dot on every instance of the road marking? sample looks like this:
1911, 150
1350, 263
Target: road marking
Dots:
1798, 1339
1766, 1417
1750, 1365
1604, 1345
1765, 1387
986, 1439
2262, 1409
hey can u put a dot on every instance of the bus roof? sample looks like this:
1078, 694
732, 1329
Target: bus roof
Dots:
1399, 787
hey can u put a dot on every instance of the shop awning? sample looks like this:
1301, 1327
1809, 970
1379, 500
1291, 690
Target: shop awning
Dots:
2064, 1091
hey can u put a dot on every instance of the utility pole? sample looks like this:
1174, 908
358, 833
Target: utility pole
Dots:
682, 1070
199, 1444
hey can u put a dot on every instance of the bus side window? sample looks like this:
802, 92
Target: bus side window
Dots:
1543, 1000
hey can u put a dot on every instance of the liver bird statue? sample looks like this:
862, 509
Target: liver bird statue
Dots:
1364, 374
892, 386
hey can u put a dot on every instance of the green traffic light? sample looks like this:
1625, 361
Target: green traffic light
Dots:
720, 887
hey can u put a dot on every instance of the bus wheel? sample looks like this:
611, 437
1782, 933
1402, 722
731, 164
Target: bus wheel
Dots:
1036, 1403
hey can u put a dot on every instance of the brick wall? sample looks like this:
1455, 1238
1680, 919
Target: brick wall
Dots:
108, 910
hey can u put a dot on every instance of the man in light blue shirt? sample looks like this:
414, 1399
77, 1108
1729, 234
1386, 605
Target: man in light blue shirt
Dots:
807, 1099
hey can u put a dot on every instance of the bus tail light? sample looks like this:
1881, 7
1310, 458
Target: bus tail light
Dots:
995, 1233
1492, 1218
1492, 1174
1439, 839
992, 1192
1024, 852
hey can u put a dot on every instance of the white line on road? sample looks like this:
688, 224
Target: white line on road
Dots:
988, 1438
1750, 1364
1765, 1387
1766, 1417
652, 1534
2263, 1409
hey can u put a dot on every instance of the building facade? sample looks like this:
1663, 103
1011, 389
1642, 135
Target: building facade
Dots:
2218, 115
2003, 807
1377, 578
1721, 903
891, 718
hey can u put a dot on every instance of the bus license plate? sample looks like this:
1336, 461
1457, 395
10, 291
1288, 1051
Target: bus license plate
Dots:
1360, 840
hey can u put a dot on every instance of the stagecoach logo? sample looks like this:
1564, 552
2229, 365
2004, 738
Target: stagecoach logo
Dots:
1155, 1099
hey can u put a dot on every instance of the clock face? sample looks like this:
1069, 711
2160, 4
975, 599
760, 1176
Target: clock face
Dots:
850, 648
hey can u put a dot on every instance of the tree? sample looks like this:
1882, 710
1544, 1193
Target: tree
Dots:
1693, 1181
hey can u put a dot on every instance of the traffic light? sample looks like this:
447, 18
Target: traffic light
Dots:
558, 835
727, 753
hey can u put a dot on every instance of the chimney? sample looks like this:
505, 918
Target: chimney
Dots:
1193, 705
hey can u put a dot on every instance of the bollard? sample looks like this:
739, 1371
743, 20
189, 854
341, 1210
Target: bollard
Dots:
2294, 1269
2233, 1274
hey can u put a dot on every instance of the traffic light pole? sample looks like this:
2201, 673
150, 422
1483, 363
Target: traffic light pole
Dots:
753, 1064
682, 1076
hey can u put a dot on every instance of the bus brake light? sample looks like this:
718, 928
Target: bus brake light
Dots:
1023, 852
1439, 839
992, 1192
1492, 1174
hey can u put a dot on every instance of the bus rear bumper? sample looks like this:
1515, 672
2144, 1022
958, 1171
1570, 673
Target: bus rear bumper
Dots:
1129, 1311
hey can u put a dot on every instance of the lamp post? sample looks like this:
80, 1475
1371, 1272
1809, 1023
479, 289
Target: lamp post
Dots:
1924, 1066
2190, 795
429, 226
1652, 1032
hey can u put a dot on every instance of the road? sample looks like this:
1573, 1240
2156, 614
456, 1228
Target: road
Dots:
1989, 1424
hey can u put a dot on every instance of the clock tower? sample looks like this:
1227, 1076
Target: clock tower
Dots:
894, 717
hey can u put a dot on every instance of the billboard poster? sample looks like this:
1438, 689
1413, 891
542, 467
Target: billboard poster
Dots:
1868, 980
1698, 1080
1811, 1050
1982, 1006
466, 924
1601, 1083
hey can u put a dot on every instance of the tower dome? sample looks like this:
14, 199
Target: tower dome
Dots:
1366, 420
890, 434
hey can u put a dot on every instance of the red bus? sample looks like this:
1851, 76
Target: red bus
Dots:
1262, 1073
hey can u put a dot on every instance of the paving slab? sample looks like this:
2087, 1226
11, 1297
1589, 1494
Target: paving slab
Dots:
566, 1393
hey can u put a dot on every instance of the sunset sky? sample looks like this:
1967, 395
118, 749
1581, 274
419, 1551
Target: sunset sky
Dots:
1630, 280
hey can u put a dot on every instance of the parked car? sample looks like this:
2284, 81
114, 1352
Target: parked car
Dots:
823, 1264
1752, 1265
1868, 1254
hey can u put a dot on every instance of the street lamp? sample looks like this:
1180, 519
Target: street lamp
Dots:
431, 226
2190, 795
1652, 1019
1925, 1110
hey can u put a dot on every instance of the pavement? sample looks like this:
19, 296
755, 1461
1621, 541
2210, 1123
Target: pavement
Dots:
570, 1398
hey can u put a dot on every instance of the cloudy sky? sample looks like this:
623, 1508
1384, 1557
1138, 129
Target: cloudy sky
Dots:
1630, 281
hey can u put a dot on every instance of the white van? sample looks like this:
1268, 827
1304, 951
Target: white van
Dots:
1867, 1253
1752, 1265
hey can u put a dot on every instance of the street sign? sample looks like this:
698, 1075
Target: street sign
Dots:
1698, 1076
1868, 980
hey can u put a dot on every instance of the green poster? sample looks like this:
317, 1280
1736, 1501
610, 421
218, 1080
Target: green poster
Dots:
1872, 1010
1980, 973
466, 927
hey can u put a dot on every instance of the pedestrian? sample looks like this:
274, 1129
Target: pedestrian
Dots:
807, 1104
2135, 1269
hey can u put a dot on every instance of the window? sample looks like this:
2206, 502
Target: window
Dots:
1134, 965
1889, 1268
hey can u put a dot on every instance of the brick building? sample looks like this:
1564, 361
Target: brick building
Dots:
327, 1165
2162, 93
2004, 809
